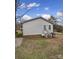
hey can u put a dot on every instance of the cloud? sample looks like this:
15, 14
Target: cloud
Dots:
29, 6
46, 16
26, 17
59, 22
59, 18
46, 8
33, 5
23, 5
37, 14
59, 14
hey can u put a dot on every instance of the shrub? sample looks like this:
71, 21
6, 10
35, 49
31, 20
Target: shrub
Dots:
18, 34
58, 28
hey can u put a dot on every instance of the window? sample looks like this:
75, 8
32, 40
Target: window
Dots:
49, 27
44, 27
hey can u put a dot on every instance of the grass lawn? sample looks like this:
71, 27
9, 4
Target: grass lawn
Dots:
40, 48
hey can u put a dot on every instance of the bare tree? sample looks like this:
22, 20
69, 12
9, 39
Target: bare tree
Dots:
18, 4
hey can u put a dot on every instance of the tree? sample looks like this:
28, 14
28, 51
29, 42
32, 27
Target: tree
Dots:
28, 7
57, 27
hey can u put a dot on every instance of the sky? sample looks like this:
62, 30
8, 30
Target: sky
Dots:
40, 7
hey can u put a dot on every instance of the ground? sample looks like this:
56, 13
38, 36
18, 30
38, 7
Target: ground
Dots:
18, 42
40, 48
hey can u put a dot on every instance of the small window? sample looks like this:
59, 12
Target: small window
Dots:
44, 27
49, 27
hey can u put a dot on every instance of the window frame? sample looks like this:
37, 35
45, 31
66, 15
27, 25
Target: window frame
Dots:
44, 27
49, 27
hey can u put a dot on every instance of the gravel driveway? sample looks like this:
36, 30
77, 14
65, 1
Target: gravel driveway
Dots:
18, 42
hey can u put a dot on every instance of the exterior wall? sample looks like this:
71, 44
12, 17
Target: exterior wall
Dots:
35, 27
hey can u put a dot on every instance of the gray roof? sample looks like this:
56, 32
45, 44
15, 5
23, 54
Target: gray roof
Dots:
37, 19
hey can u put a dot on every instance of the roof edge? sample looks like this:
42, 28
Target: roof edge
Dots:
36, 19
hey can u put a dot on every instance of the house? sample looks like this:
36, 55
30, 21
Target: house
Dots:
37, 26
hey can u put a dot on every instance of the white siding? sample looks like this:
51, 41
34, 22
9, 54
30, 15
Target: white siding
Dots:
35, 27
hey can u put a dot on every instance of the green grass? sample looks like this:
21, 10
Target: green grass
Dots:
40, 49
41, 43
